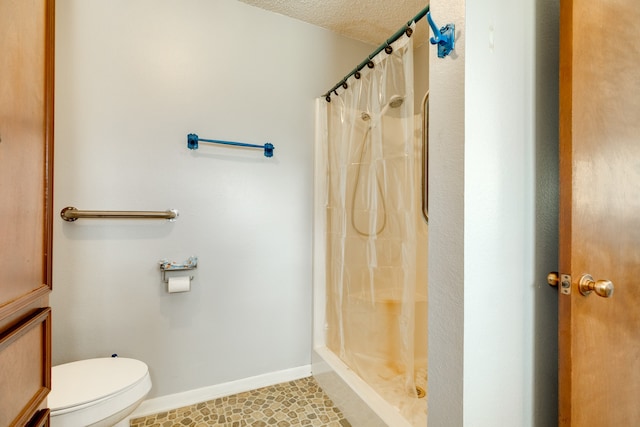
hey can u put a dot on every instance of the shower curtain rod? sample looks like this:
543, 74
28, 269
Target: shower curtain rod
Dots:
385, 46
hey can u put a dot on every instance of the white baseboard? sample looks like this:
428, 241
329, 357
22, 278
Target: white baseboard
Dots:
191, 397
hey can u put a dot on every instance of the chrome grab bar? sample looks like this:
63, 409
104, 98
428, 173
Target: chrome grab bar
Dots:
425, 157
72, 214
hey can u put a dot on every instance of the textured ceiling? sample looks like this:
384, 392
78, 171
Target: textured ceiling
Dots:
370, 21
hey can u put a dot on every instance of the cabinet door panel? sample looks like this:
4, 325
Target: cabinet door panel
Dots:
41, 419
26, 349
26, 96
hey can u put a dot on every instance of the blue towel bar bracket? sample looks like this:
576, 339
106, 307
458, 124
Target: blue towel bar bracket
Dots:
192, 144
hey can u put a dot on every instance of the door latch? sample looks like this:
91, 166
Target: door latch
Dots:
564, 280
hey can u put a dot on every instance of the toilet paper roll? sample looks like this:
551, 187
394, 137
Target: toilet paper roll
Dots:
179, 284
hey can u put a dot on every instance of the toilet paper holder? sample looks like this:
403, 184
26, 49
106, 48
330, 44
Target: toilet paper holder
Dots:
166, 266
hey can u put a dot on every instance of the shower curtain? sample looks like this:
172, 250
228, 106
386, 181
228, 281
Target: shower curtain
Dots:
374, 224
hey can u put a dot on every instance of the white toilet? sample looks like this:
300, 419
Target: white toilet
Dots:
97, 392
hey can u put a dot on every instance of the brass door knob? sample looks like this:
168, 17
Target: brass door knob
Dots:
603, 288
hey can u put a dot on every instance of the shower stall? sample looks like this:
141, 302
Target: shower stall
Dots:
370, 245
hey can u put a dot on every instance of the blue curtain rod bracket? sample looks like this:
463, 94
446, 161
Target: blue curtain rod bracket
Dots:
445, 37
192, 144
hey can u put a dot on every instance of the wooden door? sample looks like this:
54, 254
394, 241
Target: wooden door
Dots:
599, 366
26, 132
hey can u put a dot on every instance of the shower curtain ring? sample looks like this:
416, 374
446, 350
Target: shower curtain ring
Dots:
345, 85
408, 31
370, 64
388, 48
357, 75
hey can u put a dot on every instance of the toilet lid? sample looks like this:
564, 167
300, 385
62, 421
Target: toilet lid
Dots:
85, 381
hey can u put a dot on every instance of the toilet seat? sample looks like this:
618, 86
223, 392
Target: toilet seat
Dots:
88, 392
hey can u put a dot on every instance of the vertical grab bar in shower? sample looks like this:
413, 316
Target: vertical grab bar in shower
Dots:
425, 157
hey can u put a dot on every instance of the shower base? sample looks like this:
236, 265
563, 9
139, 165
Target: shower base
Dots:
389, 383
362, 404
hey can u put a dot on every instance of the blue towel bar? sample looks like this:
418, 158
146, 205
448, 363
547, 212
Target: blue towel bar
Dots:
192, 143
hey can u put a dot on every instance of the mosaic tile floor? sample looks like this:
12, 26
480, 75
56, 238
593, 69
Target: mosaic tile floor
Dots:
295, 403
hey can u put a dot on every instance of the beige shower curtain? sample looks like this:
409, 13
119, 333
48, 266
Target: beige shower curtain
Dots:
374, 224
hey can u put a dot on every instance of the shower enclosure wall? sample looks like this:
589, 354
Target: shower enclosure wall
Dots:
370, 250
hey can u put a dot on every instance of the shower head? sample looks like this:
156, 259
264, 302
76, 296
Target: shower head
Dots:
394, 102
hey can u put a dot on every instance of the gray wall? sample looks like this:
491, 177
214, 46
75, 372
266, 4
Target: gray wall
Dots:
132, 80
493, 216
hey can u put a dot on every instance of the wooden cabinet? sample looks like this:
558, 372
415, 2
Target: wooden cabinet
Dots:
26, 148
